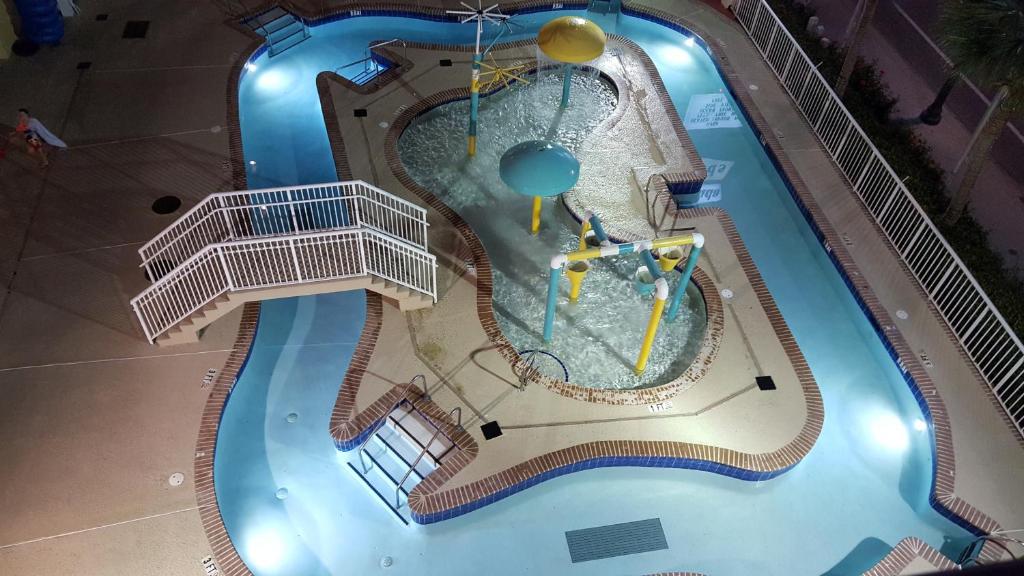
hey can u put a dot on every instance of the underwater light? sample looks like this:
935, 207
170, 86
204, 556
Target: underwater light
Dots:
888, 430
676, 55
272, 80
689, 41
920, 425
264, 550
249, 66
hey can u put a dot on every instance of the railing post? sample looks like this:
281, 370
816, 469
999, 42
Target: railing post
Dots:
227, 270
295, 259
291, 208
362, 252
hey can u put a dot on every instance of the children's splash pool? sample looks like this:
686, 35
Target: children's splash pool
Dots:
862, 488
598, 337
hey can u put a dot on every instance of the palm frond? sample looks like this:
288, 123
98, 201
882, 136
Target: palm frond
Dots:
985, 40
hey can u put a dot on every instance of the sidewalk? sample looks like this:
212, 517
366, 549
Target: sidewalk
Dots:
914, 71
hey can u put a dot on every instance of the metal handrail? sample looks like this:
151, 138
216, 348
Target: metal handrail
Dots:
995, 538
384, 420
398, 487
974, 320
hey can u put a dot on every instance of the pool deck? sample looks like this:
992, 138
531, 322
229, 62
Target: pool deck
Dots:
85, 395
712, 417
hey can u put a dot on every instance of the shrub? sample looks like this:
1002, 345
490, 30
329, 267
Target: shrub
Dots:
869, 101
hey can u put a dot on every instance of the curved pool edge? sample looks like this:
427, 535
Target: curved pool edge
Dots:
949, 505
942, 497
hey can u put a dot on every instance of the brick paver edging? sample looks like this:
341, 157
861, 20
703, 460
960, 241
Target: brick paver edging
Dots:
908, 549
224, 552
942, 497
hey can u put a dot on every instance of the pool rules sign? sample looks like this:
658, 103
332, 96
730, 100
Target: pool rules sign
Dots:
708, 111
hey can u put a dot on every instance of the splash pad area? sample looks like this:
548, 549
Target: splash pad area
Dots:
599, 336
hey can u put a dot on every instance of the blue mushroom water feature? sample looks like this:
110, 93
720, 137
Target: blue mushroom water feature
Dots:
41, 21
540, 169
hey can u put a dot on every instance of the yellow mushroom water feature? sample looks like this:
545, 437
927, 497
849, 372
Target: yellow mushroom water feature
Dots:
571, 40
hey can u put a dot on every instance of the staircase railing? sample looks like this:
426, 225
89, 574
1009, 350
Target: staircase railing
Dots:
281, 261
981, 329
401, 399
226, 216
398, 488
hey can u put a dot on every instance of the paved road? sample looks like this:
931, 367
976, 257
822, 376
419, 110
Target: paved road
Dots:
902, 42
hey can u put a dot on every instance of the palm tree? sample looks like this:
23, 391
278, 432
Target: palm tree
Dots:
854, 47
932, 115
985, 40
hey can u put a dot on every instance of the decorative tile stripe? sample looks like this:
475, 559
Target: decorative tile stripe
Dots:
942, 496
908, 549
206, 497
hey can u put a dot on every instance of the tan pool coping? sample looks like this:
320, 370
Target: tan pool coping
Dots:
891, 278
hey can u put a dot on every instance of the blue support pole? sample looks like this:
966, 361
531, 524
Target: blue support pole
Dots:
549, 315
595, 223
474, 103
652, 264
566, 84
684, 281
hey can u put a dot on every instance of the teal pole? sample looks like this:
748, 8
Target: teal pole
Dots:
549, 315
566, 84
595, 224
652, 264
474, 103
684, 280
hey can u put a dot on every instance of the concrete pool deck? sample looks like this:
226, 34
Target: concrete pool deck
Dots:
133, 408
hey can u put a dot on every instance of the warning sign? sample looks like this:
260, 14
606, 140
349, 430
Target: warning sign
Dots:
710, 111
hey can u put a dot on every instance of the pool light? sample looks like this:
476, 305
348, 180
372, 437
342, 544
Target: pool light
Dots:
676, 55
264, 550
920, 425
271, 80
888, 431
689, 41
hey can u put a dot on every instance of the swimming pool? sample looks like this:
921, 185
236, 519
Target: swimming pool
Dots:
860, 490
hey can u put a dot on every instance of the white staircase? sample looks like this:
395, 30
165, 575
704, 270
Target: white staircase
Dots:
404, 448
236, 247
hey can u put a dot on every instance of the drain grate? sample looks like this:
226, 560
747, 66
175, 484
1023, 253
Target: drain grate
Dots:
616, 540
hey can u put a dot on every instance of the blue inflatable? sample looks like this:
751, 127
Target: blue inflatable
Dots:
539, 168
41, 21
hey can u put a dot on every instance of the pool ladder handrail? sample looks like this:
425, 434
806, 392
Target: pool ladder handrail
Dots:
423, 452
384, 420
368, 71
998, 537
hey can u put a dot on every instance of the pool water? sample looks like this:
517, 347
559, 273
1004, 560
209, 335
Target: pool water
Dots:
598, 337
862, 488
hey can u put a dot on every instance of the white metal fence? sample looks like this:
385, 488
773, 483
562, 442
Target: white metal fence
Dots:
984, 334
271, 212
281, 261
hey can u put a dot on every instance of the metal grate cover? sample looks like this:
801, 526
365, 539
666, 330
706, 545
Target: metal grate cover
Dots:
616, 540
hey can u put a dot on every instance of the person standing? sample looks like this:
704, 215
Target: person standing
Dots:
36, 136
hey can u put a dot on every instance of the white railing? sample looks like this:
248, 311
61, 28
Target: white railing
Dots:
270, 262
981, 330
248, 214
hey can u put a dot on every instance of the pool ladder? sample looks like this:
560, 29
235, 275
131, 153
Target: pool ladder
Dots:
1001, 540
394, 464
371, 66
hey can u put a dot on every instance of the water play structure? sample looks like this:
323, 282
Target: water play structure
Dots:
570, 41
540, 169
578, 266
493, 15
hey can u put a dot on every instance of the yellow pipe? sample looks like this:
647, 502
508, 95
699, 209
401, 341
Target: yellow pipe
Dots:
535, 222
583, 234
652, 330
667, 260
615, 249
576, 272
472, 145
672, 241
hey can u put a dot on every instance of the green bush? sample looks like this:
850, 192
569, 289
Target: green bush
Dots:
869, 101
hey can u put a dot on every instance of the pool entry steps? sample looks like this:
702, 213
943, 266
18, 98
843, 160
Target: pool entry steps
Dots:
281, 29
399, 452
236, 247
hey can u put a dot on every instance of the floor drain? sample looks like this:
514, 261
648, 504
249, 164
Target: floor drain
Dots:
291, 418
387, 562
727, 294
176, 479
902, 314
281, 493
135, 29
166, 204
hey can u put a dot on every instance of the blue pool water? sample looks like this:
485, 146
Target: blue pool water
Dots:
862, 488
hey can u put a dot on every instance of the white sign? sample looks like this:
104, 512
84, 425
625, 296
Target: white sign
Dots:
707, 111
717, 169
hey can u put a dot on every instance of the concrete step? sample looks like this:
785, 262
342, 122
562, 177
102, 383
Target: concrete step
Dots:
417, 430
